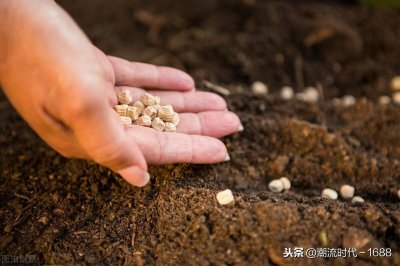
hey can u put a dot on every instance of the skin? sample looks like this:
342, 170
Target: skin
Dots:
65, 88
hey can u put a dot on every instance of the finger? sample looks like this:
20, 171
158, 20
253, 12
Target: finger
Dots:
166, 148
193, 101
102, 135
213, 124
150, 76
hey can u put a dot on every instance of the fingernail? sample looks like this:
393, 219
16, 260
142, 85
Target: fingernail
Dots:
146, 178
241, 128
227, 157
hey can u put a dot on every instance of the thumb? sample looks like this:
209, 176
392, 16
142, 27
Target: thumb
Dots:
102, 135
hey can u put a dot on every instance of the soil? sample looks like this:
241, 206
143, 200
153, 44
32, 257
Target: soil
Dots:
76, 212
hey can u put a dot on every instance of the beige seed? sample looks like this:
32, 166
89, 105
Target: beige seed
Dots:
225, 197
311, 95
170, 127
398, 193
166, 113
121, 109
175, 119
259, 88
329, 194
140, 106
287, 93
396, 97
348, 100
357, 199
126, 120
150, 111
384, 100
275, 185
132, 112
347, 191
144, 120
285, 182
148, 99
395, 83
124, 97
158, 124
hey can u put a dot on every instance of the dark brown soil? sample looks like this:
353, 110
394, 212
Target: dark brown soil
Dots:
75, 212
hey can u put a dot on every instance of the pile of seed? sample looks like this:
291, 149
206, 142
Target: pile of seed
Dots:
346, 191
146, 112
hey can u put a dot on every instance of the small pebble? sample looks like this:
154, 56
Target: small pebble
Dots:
348, 100
395, 83
347, 191
384, 100
329, 194
276, 185
225, 197
259, 88
285, 182
396, 97
357, 199
287, 93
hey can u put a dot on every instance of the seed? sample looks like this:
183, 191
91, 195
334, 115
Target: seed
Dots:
259, 88
150, 111
144, 120
329, 194
140, 106
347, 191
384, 100
148, 99
132, 112
287, 93
166, 113
311, 95
285, 182
357, 199
275, 185
126, 120
170, 127
175, 119
395, 83
158, 124
158, 100
121, 109
398, 193
125, 97
225, 197
348, 100
396, 97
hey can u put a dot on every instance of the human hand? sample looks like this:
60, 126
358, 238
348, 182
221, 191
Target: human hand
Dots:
65, 89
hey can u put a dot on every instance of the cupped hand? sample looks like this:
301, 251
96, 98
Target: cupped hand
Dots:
65, 89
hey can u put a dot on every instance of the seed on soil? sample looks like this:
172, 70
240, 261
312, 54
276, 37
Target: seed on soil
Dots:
287, 93
285, 182
310, 95
259, 88
395, 83
329, 194
170, 127
132, 112
398, 193
125, 97
158, 124
396, 97
150, 111
357, 199
276, 185
121, 109
126, 120
166, 113
140, 106
348, 100
347, 191
144, 120
225, 197
384, 100
148, 99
